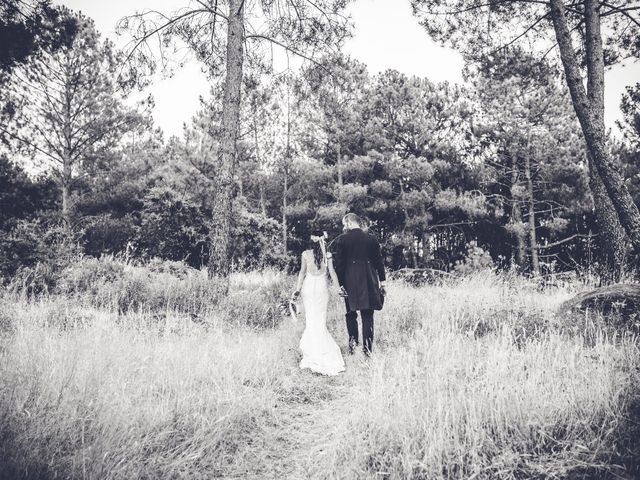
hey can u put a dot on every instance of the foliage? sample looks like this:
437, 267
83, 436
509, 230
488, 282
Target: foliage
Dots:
172, 227
535, 163
22, 197
628, 151
630, 107
71, 105
478, 26
477, 260
299, 27
157, 287
589, 36
28, 28
257, 242
430, 166
34, 252
125, 287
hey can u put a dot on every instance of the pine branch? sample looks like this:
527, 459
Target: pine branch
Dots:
613, 9
565, 240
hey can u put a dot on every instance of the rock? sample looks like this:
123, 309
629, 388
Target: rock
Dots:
623, 298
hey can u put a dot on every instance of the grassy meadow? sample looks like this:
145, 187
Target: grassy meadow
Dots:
125, 371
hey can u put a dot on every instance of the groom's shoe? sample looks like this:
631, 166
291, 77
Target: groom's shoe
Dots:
353, 346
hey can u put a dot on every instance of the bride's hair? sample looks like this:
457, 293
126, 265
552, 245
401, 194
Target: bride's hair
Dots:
316, 248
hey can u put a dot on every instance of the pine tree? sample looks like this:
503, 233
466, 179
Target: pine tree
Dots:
71, 106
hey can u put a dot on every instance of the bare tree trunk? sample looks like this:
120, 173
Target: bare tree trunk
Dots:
263, 205
285, 227
590, 118
426, 249
516, 217
521, 247
66, 194
533, 239
67, 171
220, 249
611, 238
340, 178
414, 253
67, 176
285, 191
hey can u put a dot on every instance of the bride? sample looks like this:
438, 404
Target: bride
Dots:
320, 353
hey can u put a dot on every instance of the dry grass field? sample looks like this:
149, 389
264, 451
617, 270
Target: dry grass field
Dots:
125, 372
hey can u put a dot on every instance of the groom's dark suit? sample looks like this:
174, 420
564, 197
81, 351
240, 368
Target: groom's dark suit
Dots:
359, 266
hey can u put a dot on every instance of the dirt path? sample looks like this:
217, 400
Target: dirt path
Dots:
309, 418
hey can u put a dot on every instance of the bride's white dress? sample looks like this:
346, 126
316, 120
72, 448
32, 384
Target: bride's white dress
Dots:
320, 352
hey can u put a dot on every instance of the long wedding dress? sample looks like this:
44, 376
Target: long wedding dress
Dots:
320, 352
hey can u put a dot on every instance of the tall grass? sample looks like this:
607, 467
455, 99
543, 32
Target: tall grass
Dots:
115, 403
474, 378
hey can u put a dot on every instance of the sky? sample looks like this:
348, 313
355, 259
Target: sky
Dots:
386, 35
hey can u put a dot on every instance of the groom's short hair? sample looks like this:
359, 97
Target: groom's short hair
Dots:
352, 218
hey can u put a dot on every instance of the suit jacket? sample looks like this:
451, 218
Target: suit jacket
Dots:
358, 263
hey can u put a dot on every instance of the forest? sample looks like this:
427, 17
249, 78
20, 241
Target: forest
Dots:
494, 172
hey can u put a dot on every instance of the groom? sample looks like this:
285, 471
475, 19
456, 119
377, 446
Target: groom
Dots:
358, 264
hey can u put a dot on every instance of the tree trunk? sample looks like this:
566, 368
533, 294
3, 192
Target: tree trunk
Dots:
533, 239
285, 190
413, 254
263, 205
516, 218
592, 126
285, 227
339, 166
67, 171
66, 193
220, 249
521, 246
426, 249
611, 238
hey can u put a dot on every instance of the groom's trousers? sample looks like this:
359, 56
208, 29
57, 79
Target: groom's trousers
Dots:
367, 329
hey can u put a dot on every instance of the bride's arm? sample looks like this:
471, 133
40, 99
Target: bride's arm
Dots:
332, 270
301, 275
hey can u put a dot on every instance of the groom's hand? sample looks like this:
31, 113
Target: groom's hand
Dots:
342, 292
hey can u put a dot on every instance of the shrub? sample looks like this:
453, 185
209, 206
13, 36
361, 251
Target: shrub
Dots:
89, 275
257, 241
158, 286
477, 259
23, 197
155, 286
106, 233
172, 228
35, 252
255, 299
175, 269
